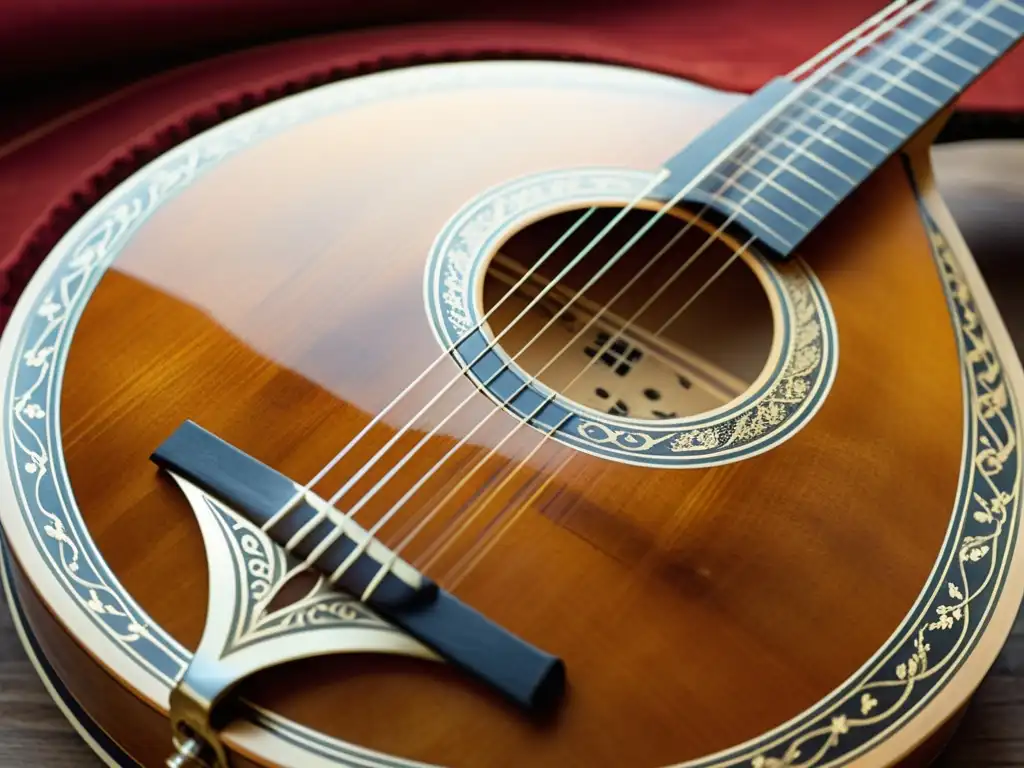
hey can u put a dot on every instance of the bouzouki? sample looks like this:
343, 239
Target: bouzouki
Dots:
521, 413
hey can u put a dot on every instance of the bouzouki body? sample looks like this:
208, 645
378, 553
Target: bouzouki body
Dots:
779, 527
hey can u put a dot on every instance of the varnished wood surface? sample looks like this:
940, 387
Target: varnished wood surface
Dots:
273, 324
985, 194
653, 545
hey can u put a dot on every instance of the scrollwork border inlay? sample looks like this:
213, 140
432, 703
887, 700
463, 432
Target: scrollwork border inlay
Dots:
903, 676
791, 393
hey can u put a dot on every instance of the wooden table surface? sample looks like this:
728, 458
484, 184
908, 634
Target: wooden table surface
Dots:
984, 186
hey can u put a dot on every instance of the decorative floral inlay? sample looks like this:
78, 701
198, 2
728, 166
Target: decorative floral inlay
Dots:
261, 571
948, 624
463, 247
792, 396
902, 677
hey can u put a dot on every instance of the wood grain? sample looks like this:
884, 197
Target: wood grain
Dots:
990, 735
758, 570
983, 185
32, 728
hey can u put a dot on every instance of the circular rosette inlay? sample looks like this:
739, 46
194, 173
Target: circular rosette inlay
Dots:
687, 384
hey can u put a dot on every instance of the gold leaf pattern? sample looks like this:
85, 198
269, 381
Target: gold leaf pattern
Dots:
988, 458
867, 703
995, 418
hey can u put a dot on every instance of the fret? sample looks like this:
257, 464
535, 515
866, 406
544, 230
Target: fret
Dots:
846, 150
767, 156
745, 208
967, 38
769, 195
753, 194
927, 72
947, 38
994, 38
942, 79
813, 157
988, 21
935, 50
1012, 7
774, 182
864, 111
886, 126
858, 111
832, 143
833, 120
895, 81
854, 114
1009, 13
879, 98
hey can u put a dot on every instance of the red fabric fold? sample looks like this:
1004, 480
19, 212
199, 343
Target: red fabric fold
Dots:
61, 153
738, 42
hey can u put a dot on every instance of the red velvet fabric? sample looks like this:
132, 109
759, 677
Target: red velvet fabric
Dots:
735, 43
62, 151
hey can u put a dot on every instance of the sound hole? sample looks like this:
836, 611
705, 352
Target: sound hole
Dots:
654, 337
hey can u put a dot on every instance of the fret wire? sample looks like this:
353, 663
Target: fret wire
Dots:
853, 36
745, 213
998, 26
752, 195
968, 38
896, 82
863, 114
925, 43
766, 152
874, 66
820, 161
834, 119
954, 87
881, 99
1011, 6
827, 140
781, 187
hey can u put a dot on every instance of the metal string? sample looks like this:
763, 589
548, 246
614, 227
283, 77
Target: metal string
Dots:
658, 178
390, 513
314, 555
332, 537
478, 551
849, 37
487, 541
554, 358
288, 506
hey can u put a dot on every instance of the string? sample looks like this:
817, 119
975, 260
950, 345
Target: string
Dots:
476, 553
313, 556
484, 545
388, 515
424, 521
396, 551
300, 492
849, 37
533, 377
655, 181
332, 537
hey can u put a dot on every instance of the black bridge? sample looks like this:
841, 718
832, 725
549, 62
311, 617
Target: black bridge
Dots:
529, 677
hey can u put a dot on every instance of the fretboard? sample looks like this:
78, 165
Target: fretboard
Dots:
843, 125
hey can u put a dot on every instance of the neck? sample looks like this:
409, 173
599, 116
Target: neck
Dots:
806, 142
899, 83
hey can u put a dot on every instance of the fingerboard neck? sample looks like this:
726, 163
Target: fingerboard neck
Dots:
841, 123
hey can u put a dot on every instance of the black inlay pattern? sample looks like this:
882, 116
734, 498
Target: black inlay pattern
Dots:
620, 356
526, 675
